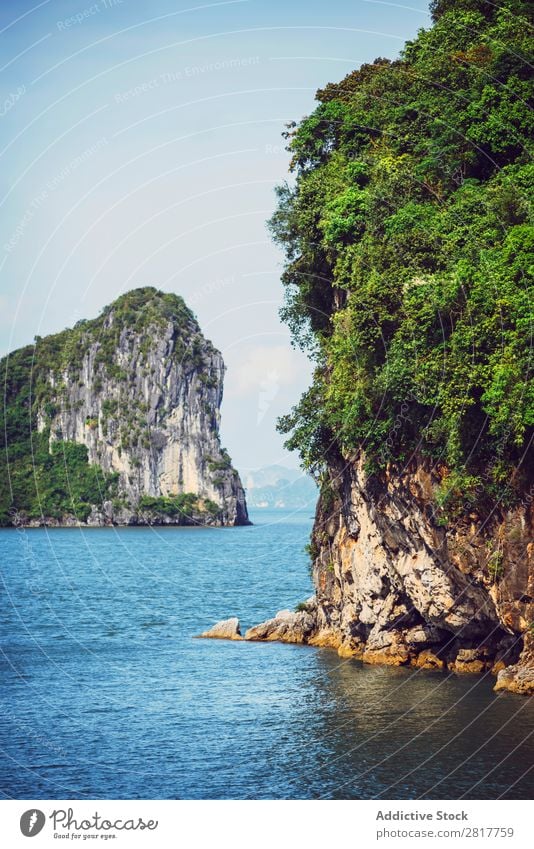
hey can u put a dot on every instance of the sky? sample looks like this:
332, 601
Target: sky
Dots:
140, 145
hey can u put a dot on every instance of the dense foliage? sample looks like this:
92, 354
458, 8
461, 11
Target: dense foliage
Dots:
39, 479
409, 256
185, 505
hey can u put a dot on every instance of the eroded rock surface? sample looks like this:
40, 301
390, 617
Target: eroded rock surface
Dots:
395, 587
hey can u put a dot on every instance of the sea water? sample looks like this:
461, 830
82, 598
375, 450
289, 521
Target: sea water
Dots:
106, 693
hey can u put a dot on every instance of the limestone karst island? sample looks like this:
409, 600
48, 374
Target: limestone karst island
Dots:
116, 421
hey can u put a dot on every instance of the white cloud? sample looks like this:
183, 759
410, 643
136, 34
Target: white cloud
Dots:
263, 369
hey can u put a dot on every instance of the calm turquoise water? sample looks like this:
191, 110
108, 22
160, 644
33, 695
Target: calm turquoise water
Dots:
105, 693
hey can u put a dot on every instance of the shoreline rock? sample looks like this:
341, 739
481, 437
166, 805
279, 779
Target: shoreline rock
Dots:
287, 626
422, 647
519, 678
226, 629
131, 520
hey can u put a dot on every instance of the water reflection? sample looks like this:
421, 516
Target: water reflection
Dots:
398, 733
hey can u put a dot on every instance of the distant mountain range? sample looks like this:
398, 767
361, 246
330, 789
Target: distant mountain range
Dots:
279, 486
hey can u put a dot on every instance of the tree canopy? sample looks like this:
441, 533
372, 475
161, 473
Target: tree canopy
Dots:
408, 242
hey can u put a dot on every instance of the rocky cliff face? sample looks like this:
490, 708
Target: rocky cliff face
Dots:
395, 587
141, 388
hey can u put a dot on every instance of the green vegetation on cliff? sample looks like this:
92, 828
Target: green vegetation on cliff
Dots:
409, 256
34, 480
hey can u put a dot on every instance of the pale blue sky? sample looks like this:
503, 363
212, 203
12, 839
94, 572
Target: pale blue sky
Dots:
140, 144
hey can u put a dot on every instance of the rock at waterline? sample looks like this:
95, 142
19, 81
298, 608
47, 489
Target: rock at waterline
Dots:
516, 679
226, 629
287, 626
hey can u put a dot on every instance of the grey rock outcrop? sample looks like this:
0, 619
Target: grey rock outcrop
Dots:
287, 626
226, 629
